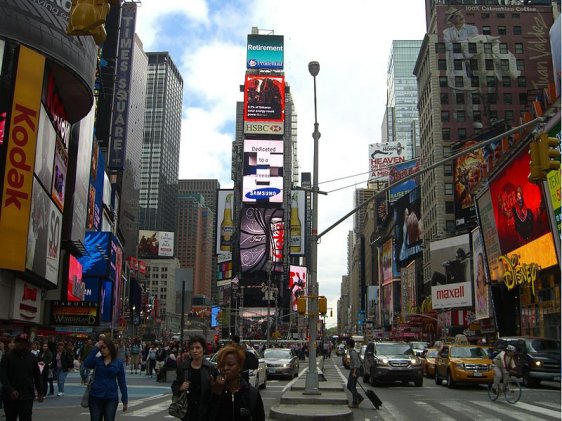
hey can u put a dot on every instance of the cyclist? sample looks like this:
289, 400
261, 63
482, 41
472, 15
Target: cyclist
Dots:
503, 362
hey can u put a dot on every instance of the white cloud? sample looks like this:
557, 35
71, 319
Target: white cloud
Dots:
351, 41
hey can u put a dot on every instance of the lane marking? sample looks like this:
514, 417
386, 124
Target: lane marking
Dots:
434, 413
149, 410
538, 409
501, 409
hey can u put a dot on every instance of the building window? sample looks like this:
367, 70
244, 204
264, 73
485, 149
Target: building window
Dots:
488, 48
486, 30
490, 81
447, 169
518, 48
442, 64
460, 116
446, 134
492, 98
502, 30
505, 65
489, 64
520, 64
462, 132
459, 98
448, 188
459, 81
493, 114
444, 116
472, 48
506, 81
523, 98
474, 81
440, 47
450, 226
503, 48
475, 98
458, 64
446, 151
443, 81
509, 115
517, 30
444, 98
521, 81
477, 116
507, 98
449, 207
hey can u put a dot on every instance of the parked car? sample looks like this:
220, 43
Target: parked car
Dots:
281, 362
418, 347
537, 359
257, 377
463, 364
428, 358
391, 361
361, 353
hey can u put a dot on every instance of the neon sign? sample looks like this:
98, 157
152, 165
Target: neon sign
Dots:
517, 274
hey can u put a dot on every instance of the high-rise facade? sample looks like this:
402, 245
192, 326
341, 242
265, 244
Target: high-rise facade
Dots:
402, 95
161, 145
195, 232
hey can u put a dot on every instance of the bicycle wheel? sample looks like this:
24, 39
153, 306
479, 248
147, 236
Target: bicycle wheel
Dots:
493, 395
512, 391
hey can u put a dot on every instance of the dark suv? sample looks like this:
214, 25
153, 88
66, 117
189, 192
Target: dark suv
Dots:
537, 358
391, 361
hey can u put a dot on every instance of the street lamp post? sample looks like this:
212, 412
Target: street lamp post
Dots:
268, 267
311, 385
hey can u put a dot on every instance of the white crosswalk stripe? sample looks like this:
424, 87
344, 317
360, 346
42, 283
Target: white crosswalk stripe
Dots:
539, 410
149, 410
433, 412
503, 409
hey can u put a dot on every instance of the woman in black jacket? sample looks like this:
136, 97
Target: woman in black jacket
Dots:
194, 376
233, 399
46, 357
64, 362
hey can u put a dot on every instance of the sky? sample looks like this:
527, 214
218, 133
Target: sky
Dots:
351, 40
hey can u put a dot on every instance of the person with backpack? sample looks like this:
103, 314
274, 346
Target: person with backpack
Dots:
233, 398
135, 351
194, 376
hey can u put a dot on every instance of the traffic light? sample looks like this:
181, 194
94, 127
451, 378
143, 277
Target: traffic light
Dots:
549, 153
87, 17
536, 175
301, 305
322, 305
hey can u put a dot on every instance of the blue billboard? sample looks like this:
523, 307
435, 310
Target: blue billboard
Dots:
265, 52
96, 262
399, 171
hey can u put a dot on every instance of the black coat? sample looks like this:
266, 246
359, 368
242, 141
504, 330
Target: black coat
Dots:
245, 405
19, 371
203, 399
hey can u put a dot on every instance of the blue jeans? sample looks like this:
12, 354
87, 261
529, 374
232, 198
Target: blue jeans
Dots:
61, 378
103, 409
352, 387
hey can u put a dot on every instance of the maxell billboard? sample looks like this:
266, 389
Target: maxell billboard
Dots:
265, 52
452, 295
382, 156
262, 179
123, 82
264, 105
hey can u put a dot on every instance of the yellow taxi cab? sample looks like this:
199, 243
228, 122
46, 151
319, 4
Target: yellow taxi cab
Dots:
459, 363
428, 358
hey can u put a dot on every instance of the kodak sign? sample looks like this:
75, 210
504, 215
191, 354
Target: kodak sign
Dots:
20, 159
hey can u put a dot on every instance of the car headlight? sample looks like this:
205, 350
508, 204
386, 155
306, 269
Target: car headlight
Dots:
415, 361
537, 363
460, 366
383, 361
490, 366
286, 365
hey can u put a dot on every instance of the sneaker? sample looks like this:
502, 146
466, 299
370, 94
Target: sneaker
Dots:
60, 394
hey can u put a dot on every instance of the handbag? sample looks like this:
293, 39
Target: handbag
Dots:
85, 402
178, 407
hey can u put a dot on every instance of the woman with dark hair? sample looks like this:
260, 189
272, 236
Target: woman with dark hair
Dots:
109, 372
63, 364
46, 357
194, 376
233, 398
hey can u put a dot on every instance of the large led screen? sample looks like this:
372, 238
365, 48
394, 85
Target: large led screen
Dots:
265, 52
399, 171
297, 283
156, 244
409, 227
75, 288
264, 98
225, 221
480, 286
297, 223
262, 180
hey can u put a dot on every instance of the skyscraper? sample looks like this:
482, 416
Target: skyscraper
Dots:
402, 95
161, 145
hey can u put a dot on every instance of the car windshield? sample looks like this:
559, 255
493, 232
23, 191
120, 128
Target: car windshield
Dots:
419, 345
432, 353
535, 345
277, 353
393, 349
468, 352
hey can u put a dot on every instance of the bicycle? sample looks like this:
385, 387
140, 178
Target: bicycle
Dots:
511, 390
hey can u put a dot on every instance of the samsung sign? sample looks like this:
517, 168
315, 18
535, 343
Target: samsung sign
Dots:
265, 52
122, 88
451, 295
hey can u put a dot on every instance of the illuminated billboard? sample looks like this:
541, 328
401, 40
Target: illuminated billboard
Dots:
74, 313
256, 236
264, 104
76, 289
225, 222
156, 244
480, 276
382, 156
408, 228
95, 192
297, 283
262, 179
264, 52
399, 171
449, 260
297, 232
387, 261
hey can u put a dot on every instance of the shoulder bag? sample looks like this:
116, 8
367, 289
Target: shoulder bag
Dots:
179, 406
85, 402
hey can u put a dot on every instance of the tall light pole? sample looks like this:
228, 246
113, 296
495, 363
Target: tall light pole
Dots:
268, 267
311, 385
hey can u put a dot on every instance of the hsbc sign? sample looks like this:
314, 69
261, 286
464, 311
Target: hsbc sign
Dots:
264, 127
451, 295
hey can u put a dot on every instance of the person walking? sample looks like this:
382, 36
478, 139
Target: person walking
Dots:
151, 360
46, 357
63, 363
20, 378
134, 351
194, 376
232, 398
354, 365
109, 372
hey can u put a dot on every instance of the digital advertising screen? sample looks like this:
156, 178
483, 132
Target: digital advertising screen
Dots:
399, 171
264, 52
297, 283
264, 98
262, 179
409, 227
76, 288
